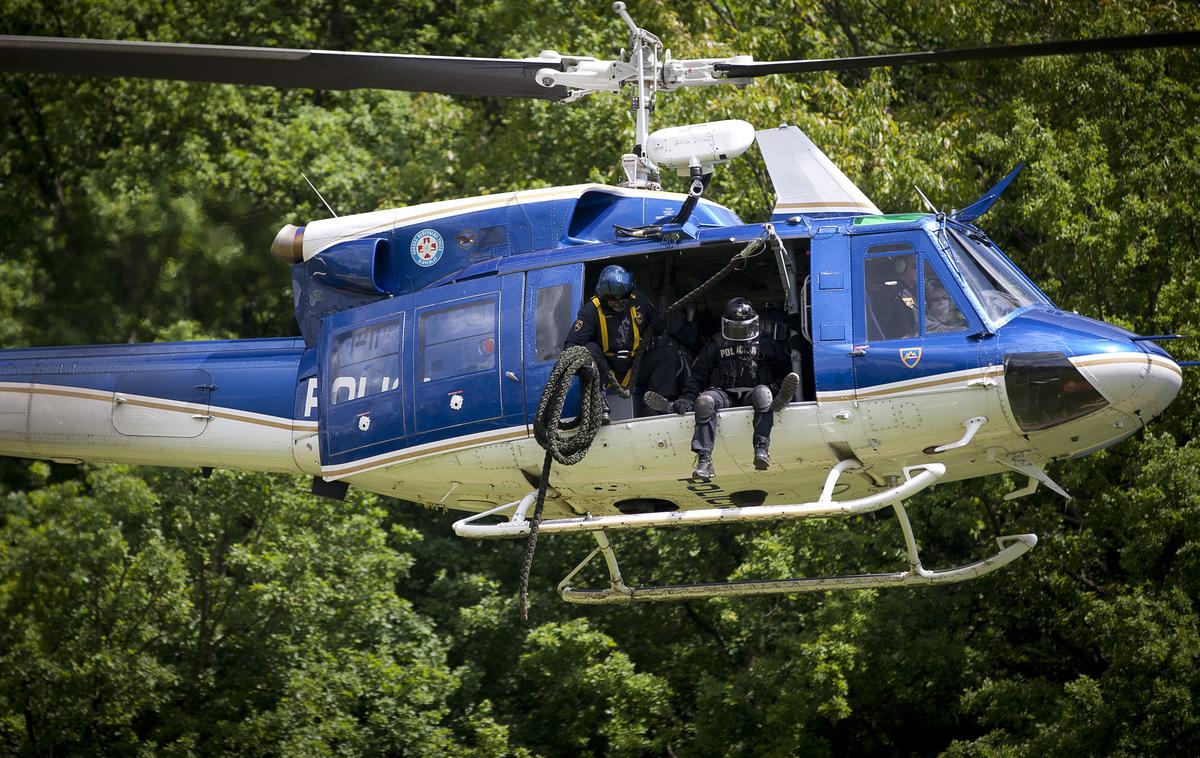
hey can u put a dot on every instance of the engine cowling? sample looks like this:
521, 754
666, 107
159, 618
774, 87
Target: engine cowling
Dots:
363, 265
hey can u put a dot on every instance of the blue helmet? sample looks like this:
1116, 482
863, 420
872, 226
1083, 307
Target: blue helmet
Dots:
615, 281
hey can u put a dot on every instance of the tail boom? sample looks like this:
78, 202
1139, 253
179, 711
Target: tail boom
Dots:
222, 404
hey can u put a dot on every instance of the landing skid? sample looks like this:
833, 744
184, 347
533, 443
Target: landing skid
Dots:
1011, 547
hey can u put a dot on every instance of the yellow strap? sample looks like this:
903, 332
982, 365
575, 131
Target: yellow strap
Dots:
637, 335
603, 324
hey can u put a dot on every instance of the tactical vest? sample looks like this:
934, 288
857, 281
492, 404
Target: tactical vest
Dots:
637, 337
737, 363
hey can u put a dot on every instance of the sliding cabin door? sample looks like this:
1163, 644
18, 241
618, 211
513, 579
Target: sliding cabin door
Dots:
411, 371
466, 344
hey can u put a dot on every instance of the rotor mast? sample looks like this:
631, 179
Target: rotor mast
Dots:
647, 68
644, 51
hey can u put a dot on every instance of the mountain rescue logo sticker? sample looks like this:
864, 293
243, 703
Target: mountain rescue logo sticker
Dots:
427, 247
910, 356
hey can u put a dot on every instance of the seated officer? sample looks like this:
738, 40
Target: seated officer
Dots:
892, 298
612, 326
739, 366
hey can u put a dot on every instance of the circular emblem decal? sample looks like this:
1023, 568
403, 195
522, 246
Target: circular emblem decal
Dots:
426, 247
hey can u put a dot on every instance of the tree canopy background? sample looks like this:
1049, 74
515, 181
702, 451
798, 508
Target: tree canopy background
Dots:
155, 612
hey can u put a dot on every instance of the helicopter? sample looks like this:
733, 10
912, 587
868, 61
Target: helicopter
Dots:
429, 333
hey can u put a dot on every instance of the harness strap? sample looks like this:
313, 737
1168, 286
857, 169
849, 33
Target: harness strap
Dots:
637, 336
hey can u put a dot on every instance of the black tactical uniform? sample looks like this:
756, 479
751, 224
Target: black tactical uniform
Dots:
743, 370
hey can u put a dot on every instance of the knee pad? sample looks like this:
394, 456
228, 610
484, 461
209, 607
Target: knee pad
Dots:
760, 398
705, 407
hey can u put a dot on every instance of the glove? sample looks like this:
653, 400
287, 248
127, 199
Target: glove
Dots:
683, 406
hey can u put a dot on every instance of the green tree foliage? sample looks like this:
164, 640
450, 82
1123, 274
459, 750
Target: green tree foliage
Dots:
168, 613
161, 613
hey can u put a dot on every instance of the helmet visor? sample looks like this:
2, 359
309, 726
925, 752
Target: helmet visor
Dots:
740, 331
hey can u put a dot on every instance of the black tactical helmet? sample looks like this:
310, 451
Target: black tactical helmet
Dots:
740, 322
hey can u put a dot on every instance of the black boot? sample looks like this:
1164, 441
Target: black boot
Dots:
704, 466
656, 402
787, 390
762, 458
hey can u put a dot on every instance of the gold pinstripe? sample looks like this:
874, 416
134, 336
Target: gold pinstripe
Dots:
1140, 360
912, 384
917, 384
843, 204
107, 397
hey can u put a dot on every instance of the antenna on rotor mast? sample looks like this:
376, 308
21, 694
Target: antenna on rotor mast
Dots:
644, 52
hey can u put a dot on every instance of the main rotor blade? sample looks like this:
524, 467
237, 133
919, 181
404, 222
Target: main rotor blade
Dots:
277, 67
1070, 47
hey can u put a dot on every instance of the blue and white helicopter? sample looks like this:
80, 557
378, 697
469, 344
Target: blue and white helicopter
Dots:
429, 331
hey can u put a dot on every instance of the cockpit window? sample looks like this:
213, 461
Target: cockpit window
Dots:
891, 296
941, 314
997, 284
893, 309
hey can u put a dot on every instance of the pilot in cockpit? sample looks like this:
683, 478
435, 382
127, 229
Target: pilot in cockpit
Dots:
892, 305
892, 297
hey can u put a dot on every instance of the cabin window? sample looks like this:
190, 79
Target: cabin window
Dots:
891, 297
941, 315
366, 361
552, 319
458, 340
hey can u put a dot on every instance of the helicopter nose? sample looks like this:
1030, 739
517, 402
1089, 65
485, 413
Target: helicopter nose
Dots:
1164, 378
1139, 380
1100, 385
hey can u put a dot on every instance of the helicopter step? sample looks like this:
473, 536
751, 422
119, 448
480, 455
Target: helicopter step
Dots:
824, 507
1012, 547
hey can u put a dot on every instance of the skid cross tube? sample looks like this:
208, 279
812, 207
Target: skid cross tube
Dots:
824, 507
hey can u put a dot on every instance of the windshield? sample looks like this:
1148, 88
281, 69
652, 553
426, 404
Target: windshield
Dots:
997, 284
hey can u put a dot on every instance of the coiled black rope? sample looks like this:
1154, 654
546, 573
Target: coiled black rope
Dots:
548, 430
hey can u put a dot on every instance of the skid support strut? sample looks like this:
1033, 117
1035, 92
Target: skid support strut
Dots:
1011, 547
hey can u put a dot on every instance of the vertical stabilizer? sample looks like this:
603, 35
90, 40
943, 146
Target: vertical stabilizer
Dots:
806, 181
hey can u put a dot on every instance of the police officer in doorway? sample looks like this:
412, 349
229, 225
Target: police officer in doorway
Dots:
613, 324
739, 366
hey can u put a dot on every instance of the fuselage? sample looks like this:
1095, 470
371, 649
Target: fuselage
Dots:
426, 392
